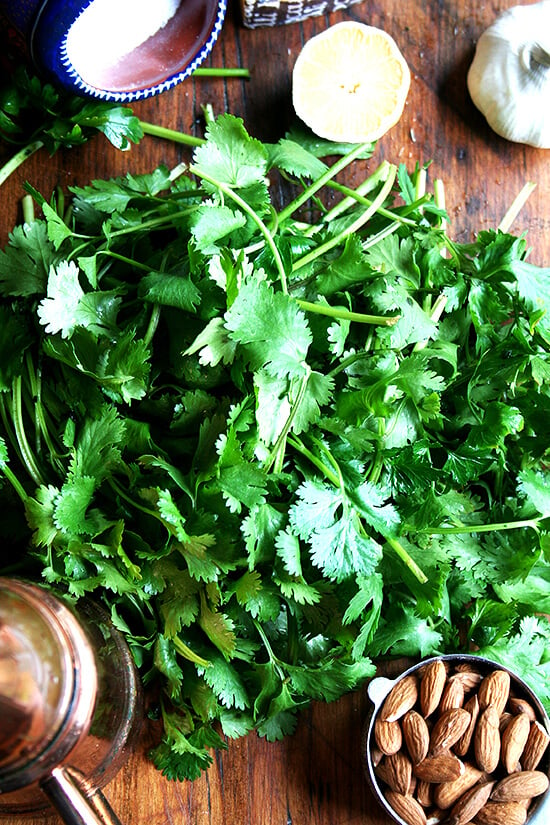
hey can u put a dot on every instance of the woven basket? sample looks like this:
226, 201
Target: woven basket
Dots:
257, 13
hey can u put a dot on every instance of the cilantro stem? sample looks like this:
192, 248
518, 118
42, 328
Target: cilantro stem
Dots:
435, 314
129, 500
124, 259
347, 362
170, 134
384, 233
420, 184
27, 206
185, 651
354, 226
152, 325
228, 192
39, 413
272, 658
277, 454
354, 195
307, 453
346, 314
332, 461
17, 414
229, 72
18, 159
483, 528
439, 199
14, 481
516, 206
407, 559
323, 180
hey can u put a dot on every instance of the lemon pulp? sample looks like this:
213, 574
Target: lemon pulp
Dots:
350, 83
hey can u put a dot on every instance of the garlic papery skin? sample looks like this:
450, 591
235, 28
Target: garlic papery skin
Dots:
509, 78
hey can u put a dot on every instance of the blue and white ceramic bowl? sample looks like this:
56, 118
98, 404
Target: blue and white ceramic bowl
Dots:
117, 50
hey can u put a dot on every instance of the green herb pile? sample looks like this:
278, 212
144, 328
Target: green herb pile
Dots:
277, 444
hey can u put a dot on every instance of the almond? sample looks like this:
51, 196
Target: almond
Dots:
401, 768
513, 741
398, 772
388, 736
503, 720
401, 698
517, 705
470, 804
441, 768
494, 689
407, 808
535, 747
424, 792
376, 756
416, 734
520, 785
432, 684
469, 679
487, 740
448, 729
447, 793
462, 746
502, 813
453, 696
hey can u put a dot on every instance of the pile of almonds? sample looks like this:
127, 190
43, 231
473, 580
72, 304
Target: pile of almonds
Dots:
457, 746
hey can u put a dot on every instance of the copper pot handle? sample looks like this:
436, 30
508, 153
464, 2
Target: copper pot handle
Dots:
76, 801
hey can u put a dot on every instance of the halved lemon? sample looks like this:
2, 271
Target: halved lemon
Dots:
350, 83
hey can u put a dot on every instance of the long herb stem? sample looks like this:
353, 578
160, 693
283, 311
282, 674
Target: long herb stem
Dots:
407, 560
347, 315
323, 180
185, 651
277, 454
18, 159
354, 226
170, 134
206, 71
357, 195
533, 523
329, 474
516, 206
228, 192
26, 452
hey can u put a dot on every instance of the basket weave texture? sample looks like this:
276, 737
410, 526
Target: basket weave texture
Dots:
257, 13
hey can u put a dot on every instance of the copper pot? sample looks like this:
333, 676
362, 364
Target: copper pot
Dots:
69, 705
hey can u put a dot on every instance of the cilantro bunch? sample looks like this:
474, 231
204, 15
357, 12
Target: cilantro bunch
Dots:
34, 114
278, 443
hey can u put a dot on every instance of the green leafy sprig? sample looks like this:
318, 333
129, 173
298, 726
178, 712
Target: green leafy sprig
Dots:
34, 114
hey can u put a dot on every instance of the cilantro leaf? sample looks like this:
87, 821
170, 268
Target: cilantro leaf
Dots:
270, 328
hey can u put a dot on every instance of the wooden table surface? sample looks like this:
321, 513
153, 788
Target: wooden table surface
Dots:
314, 777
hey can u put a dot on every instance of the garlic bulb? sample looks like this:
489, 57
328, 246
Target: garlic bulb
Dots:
509, 79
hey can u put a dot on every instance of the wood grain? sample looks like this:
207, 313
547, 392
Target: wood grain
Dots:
314, 777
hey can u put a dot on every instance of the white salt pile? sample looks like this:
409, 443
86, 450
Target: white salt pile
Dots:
108, 30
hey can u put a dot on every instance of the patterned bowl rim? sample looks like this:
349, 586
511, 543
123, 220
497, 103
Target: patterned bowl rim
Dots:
71, 79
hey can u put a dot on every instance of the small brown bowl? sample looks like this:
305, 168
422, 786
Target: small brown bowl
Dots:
378, 691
